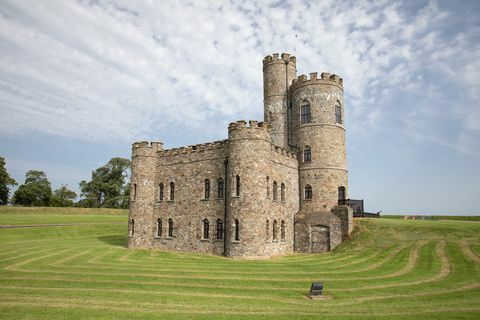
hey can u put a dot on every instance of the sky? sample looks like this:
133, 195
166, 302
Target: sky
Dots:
80, 81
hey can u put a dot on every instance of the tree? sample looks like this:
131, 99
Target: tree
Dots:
109, 186
5, 183
63, 197
36, 191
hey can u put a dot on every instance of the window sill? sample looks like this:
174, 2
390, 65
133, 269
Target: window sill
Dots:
307, 199
205, 199
218, 240
235, 196
235, 241
168, 238
219, 198
274, 241
204, 240
170, 201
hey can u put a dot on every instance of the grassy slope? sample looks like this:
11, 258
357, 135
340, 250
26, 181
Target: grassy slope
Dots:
391, 269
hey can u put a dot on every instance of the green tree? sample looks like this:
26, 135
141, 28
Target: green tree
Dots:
109, 186
36, 191
63, 197
5, 183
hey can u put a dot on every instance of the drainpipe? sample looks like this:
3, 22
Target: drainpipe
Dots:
225, 194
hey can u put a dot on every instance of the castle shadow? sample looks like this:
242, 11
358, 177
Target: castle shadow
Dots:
117, 241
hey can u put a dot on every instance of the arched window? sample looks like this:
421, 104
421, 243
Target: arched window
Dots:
131, 227
220, 188
206, 229
207, 189
308, 191
282, 192
219, 229
267, 230
282, 230
338, 112
134, 191
307, 154
159, 227
268, 188
274, 190
160, 193
305, 112
170, 228
172, 191
341, 195
274, 229
237, 184
237, 230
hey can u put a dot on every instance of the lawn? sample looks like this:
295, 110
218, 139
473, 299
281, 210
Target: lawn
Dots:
389, 269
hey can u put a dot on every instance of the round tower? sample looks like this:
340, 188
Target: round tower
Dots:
248, 158
278, 73
142, 193
319, 133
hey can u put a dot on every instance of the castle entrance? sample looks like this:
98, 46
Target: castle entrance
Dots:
320, 239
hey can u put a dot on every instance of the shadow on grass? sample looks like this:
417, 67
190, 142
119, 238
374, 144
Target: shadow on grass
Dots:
117, 241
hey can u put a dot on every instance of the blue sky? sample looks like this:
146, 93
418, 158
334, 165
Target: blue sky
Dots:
81, 80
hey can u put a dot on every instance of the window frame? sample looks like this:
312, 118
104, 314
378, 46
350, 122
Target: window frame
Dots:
338, 112
305, 112
220, 188
307, 154
161, 190
206, 229
308, 192
170, 228
172, 191
219, 231
206, 194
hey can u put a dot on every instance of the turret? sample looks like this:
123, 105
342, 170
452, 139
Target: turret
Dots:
248, 159
278, 73
142, 193
319, 133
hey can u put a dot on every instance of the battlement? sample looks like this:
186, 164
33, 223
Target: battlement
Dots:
325, 78
284, 152
153, 146
252, 124
195, 148
276, 58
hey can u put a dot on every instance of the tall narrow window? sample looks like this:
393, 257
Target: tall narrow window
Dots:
267, 230
268, 188
159, 227
341, 193
307, 154
274, 190
219, 229
237, 184
170, 228
338, 112
207, 189
132, 227
206, 229
274, 229
282, 192
172, 191
220, 188
305, 112
308, 191
237, 230
160, 193
134, 191
282, 230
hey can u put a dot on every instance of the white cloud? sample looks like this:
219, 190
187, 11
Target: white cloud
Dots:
126, 70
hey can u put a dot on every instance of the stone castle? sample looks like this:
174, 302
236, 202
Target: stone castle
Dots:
271, 188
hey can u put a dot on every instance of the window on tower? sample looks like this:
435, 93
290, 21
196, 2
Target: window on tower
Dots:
207, 189
338, 112
307, 154
308, 191
305, 112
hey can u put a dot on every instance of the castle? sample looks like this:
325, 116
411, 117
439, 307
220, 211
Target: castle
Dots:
271, 188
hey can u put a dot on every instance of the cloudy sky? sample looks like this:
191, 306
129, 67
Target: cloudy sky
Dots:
81, 80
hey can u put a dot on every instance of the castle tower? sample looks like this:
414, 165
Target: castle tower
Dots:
278, 73
142, 194
319, 133
248, 159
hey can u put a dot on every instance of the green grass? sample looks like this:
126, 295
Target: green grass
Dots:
460, 218
389, 269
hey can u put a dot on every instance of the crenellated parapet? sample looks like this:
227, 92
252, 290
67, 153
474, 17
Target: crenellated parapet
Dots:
275, 58
145, 148
284, 152
197, 148
325, 79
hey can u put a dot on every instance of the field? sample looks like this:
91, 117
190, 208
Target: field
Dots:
79, 268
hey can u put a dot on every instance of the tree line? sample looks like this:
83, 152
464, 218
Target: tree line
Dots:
109, 187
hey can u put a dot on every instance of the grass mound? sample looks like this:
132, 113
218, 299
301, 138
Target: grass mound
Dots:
389, 269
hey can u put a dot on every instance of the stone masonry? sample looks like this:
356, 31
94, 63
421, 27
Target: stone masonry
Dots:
271, 188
